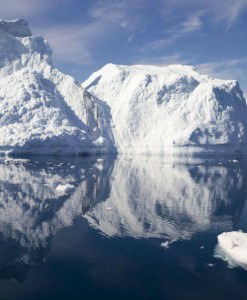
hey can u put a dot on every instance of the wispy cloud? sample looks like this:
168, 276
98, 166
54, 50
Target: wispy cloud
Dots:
226, 69
72, 43
223, 69
194, 23
181, 30
226, 11
121, 13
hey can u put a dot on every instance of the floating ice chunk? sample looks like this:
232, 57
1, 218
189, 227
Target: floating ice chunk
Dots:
64, 188
232, 247
167, 244
210, 265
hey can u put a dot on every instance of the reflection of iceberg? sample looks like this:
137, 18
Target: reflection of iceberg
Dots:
32, 210
154, 198
140, 197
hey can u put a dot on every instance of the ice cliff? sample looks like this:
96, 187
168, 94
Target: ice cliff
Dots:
41, 109
171, 109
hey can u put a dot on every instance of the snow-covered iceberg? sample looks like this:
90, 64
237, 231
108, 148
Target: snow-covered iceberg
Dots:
42, 110
171, 109
232, 247
129, 109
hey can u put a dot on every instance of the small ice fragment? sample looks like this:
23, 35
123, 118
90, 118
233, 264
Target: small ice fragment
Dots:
211, 265
167, 244
64, 188
233, 161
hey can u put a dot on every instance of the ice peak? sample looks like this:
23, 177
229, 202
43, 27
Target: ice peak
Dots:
17, 28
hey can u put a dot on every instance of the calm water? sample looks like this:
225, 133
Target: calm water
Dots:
128, 228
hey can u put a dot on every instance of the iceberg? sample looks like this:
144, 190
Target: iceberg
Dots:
43, 111
171, 109
124, 109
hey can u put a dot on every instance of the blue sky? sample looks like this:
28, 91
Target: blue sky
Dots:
85, 35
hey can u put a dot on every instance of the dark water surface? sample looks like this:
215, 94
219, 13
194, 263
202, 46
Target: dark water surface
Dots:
126, 228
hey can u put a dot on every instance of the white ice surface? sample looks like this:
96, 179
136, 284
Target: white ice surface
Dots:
232, 247
42, 110
171, 109
138, 109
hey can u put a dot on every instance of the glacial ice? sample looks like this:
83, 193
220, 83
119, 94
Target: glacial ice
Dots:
125, 109
171, 109
43, 111
232, 247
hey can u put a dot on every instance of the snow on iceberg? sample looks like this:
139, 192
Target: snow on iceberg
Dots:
232, 247
43, 111
171, 109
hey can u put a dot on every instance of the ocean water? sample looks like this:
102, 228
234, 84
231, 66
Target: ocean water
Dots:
127, 227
